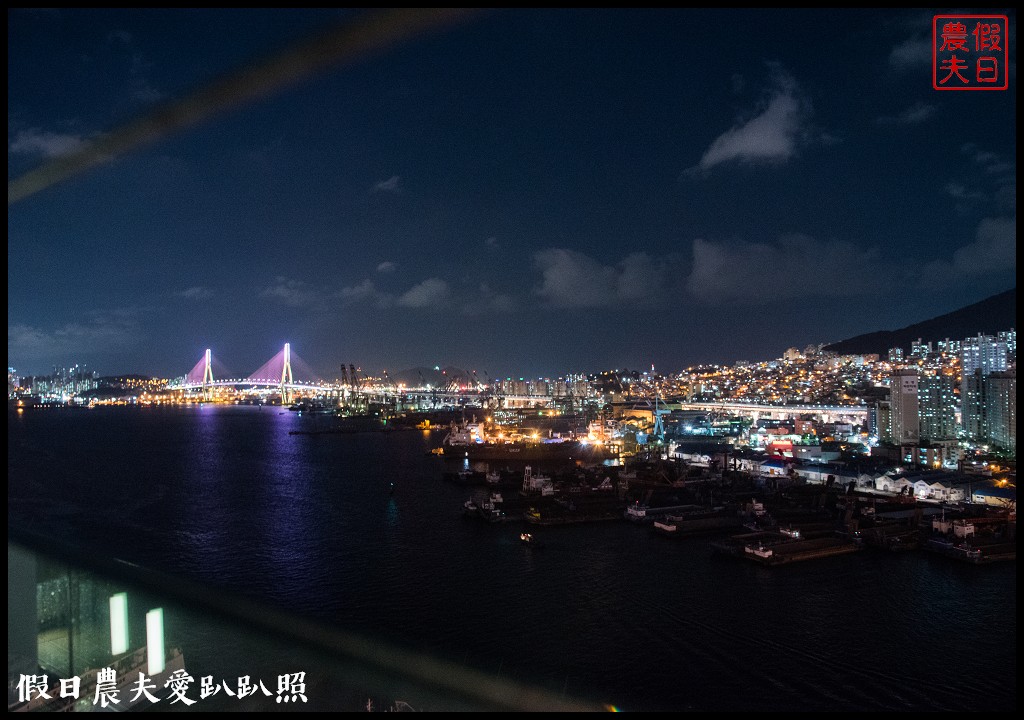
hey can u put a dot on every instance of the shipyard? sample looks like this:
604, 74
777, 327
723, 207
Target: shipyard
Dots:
735, 499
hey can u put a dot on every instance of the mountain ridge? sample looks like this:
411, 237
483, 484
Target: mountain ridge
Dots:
989, 316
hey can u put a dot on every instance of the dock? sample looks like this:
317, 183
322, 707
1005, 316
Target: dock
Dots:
769, 548
572, 511
680, 526
978, 553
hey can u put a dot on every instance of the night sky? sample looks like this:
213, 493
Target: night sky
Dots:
523, 193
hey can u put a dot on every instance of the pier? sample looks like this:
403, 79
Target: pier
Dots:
775, 549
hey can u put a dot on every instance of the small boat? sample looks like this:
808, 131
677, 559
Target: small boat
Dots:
528, 539
491, 509
489, 512
760, 551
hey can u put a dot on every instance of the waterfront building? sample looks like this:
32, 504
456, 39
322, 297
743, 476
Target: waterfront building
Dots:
990, 408
980, 357
931, 453
842, 475
995, 495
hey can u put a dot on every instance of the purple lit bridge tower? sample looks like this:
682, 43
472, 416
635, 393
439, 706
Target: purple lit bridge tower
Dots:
285, 372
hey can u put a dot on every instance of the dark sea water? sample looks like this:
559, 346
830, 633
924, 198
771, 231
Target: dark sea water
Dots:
608, 611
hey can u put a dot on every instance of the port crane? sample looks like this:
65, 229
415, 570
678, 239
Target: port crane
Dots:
453, 384
353, 379
389, 382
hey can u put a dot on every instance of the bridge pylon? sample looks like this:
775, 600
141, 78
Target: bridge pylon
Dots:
208, 376
286, 375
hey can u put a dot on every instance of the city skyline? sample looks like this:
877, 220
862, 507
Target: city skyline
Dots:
524, 191
894, 354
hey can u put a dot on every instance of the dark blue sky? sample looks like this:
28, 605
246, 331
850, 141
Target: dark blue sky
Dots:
526, 192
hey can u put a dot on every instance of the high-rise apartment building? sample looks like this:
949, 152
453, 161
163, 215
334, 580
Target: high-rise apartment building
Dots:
903, 404
1001, 409
985, 353
937, 406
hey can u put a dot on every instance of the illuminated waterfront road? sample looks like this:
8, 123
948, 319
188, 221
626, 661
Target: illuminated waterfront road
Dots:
780, 412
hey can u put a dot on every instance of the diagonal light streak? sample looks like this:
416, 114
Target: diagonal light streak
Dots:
368, 33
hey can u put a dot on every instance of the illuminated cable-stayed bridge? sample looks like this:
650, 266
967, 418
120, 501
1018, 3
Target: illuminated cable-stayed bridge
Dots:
291, 377
278, 372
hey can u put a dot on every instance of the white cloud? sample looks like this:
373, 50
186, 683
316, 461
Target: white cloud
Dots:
916, 113
500, 302
488, 301
25, 340
795, 266
573, 279
291, 292
960, 192
997, 181
993, 252
432, 292
989, 161
911, 52
1006, 198
48, 144
366, 291
386, 267
638, 277
391, 185
145, 93
195, 293
999, 167
770, 136
99, 332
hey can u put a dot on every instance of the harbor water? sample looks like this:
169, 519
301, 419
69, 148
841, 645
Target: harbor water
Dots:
360, 531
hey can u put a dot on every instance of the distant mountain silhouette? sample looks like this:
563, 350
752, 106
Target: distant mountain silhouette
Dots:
988, 316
